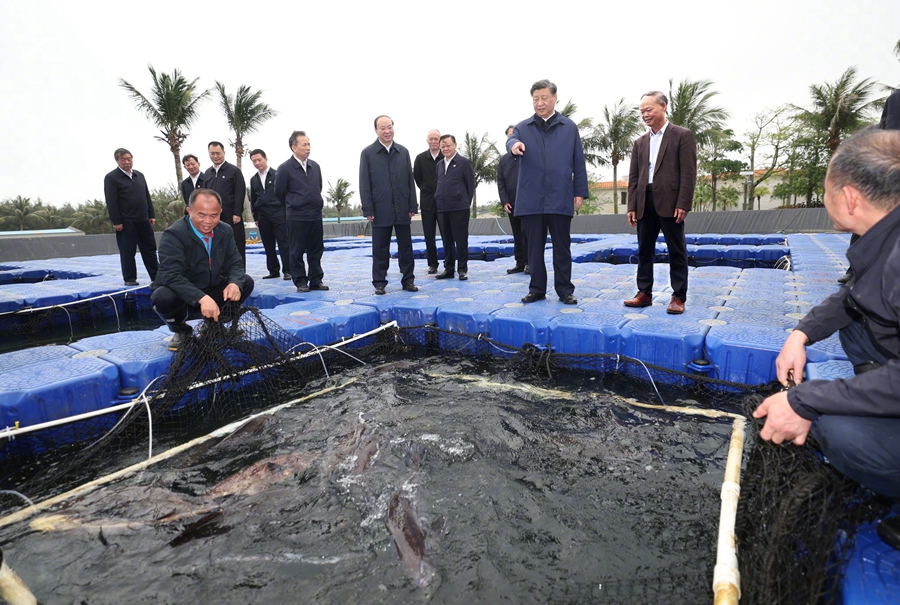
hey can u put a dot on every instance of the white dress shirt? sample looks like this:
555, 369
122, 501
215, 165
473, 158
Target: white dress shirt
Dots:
655, 141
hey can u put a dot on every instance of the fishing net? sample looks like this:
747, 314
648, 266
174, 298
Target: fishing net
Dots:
796, 523
796, 520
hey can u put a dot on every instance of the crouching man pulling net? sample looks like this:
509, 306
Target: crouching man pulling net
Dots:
199, 266
855, 421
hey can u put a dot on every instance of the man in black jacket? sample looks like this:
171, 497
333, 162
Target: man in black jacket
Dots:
426, 178
388, 193
453, 197
268, 212
131, 212
507, 180
298, 185
856, 421
226, 180
194, 179
200, 267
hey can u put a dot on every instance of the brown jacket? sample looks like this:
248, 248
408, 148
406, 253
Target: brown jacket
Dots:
675, 175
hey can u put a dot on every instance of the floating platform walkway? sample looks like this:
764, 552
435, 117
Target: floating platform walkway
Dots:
746, 293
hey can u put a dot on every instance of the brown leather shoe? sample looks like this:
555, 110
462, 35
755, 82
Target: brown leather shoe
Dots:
676, 306
640, 300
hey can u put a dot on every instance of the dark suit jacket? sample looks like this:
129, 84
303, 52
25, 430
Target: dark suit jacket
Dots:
264, 201
890, 116
127, 199
508, 178
230, 185
185, 267
426, 178
187, 187
455, 185
387, 188
299, 191
675, 174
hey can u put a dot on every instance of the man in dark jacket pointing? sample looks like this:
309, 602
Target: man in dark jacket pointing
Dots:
388, 192
552, 186
200, 267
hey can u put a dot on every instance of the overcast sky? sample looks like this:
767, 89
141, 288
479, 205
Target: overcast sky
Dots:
330, 67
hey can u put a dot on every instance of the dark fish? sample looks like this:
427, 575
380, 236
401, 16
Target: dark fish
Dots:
204, 527
409, 540
397, 365
260, 476
414, 454
364, 456
251, 428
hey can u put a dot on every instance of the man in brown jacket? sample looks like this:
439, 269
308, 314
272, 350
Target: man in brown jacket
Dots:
660, 194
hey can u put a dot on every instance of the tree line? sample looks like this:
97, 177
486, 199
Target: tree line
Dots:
794, 142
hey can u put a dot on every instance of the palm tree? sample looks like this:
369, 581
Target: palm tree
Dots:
244, 113
20, 213
339, 195
841, 107
93, 217
590, 135
172, 108
690, 106
615, 138
485, 158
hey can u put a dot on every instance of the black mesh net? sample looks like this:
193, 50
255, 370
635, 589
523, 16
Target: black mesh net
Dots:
797, 521
797, 516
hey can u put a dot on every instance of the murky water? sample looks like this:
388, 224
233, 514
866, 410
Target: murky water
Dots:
423, 481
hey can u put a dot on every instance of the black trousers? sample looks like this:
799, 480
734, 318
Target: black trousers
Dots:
520, 242
536, 228
648, 228
455, 235
381, 255
240, 238
174, 310
306, 238
274, 230
430, 227
135, 236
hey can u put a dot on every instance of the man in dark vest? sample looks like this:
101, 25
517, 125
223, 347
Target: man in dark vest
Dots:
268, 212
131, 212
226, 180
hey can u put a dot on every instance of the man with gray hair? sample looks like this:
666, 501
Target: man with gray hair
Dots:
551, 187
425, 173
856, 421
661, 185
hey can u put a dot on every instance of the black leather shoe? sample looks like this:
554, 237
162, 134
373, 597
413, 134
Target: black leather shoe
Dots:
463, 276
271, 276
533, 297
516, 269
843, 279
287, 277
432, 270
179, 337
319, 286
303, 288
444, 275
568, 299
889, 531
379, 290
527, 272
132, 283
411, 288
866, 366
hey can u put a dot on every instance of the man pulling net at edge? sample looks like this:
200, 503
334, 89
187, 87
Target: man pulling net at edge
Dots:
199, 266
856, 421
